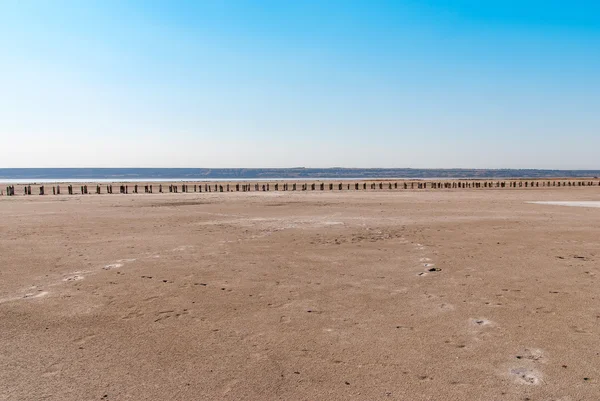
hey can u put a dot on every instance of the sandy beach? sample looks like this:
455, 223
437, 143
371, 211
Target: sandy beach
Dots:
352, 295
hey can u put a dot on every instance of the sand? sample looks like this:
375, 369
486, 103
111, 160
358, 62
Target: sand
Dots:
430, 295
570, 203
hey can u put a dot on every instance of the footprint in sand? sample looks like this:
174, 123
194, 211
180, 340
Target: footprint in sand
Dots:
133, 314
163, 315
84, 339
75, 277
526, 371
481, 322
526, 376
52, 370
446, 307
531, 354
228, 387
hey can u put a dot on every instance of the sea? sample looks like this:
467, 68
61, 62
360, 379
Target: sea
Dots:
46, 175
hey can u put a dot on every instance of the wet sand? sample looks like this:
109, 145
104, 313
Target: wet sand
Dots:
416, 295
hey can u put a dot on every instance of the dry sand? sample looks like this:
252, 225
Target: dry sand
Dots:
430, 295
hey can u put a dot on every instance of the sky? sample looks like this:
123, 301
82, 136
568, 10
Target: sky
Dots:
257, 83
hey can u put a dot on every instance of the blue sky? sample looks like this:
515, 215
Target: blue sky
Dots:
465, 83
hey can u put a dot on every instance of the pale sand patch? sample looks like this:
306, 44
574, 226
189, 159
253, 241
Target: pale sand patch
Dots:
29, 295
568, 203
38, 295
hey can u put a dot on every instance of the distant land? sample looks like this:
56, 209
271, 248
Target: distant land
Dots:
189, 174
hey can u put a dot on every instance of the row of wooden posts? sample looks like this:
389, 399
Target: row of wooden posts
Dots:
124, 189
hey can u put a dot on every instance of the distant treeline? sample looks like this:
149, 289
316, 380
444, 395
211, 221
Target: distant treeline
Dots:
123, 174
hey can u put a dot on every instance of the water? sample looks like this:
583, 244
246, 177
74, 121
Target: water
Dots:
46, 175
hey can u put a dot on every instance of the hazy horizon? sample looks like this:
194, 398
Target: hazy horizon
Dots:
274, 84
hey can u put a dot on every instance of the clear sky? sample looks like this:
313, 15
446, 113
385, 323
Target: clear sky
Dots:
463, 83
